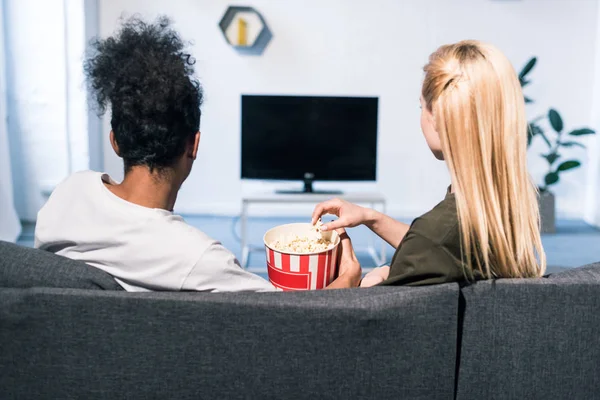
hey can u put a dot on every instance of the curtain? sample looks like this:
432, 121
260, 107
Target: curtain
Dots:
10, 227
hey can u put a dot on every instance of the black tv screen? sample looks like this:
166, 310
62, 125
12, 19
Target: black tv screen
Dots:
285, 137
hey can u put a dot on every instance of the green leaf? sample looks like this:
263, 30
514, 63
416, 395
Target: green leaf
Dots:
524, 82
537, 130
528, 100
555, 120
527, 68
567, 165
551, 178
552, 157
571, 144
582, 131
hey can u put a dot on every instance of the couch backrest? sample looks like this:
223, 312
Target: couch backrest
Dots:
532, 338
379, 343
22, 267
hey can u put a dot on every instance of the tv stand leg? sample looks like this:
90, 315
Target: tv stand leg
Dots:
244, 234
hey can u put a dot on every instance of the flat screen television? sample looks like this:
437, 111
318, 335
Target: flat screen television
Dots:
309, 138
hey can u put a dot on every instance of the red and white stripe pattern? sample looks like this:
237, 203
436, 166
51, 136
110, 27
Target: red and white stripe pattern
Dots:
302, 272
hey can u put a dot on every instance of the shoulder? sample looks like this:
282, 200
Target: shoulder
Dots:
70, 189
439, 226
81, 176
78, 181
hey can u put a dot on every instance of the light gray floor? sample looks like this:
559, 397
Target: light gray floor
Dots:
574, 244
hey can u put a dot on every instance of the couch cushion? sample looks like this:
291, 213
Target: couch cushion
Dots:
532, 338
378, 343
22, 267
587, 273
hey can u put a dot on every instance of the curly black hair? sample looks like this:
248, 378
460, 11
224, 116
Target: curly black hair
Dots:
145, 76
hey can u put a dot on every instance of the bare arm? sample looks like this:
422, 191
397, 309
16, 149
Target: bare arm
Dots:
386, 227
345, 281
375, 277
351, 215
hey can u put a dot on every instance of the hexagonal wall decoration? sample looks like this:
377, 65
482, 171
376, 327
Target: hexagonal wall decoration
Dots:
245, 30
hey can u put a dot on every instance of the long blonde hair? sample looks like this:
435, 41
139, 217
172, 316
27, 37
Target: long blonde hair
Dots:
476, 100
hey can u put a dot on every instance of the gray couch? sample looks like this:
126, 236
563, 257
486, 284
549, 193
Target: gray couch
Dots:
67, 331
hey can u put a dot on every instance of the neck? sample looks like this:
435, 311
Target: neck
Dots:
151, 190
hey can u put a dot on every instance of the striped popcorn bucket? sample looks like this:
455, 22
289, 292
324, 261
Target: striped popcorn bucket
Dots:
300, 271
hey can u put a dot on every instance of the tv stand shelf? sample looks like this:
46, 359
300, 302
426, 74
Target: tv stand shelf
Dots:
370, 199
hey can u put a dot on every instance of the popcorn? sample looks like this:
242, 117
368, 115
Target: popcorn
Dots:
313, 242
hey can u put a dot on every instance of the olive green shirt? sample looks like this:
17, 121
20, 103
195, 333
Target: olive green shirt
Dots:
430, 251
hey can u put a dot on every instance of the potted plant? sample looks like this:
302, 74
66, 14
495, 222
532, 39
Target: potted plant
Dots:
557, 142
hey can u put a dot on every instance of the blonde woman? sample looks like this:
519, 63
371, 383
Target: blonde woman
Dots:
473, 118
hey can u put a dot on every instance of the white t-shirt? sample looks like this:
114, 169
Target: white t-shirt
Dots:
145, 249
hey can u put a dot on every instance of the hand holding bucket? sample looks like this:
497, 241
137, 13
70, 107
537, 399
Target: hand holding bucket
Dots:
300, 271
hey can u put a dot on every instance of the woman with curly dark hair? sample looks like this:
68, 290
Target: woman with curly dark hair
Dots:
128, 229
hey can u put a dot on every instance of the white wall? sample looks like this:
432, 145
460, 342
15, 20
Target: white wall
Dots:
47, 125
592, 213
77, 108
10, 227
592, 210
377, 48
95, 128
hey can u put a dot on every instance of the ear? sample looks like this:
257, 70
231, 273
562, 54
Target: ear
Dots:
193, 151
430, 117
431, 120
113, 143
439, 154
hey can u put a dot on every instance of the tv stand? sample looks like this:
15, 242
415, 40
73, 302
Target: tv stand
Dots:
308, 187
